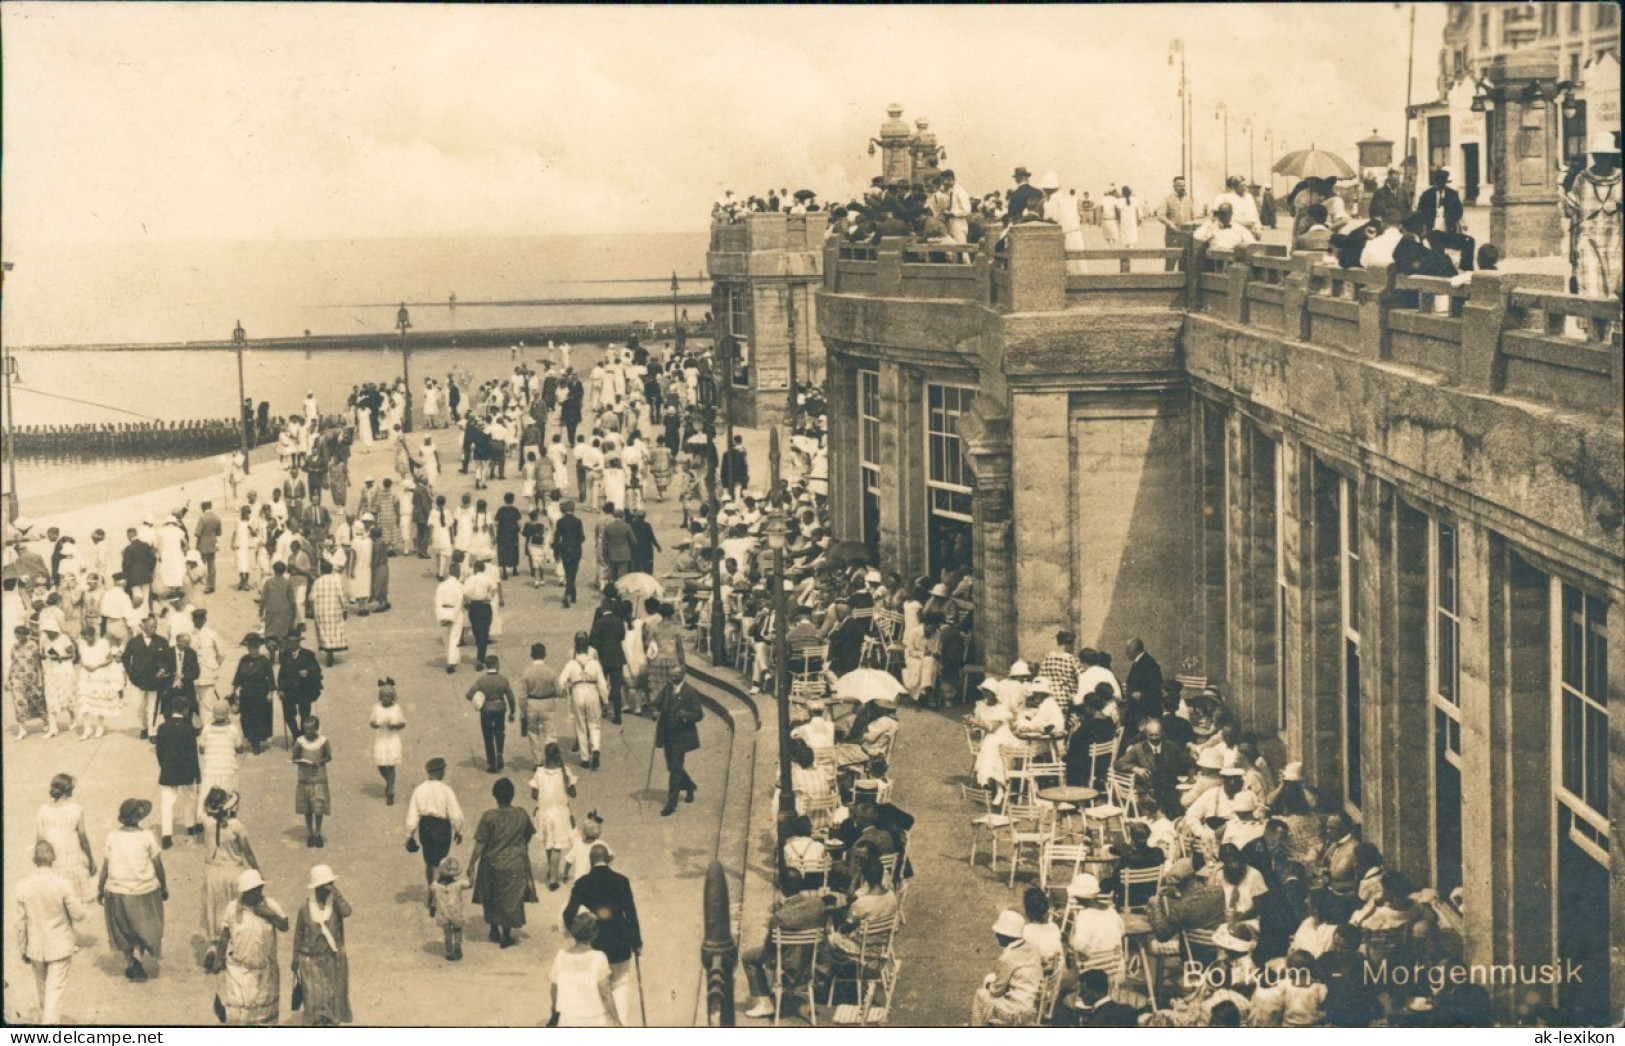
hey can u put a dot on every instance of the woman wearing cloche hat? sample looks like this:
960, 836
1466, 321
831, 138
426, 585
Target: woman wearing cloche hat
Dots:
320, 964
251, 990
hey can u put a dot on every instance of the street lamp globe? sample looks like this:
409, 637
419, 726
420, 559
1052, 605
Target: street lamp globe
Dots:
239, 336
403, 319
777, 531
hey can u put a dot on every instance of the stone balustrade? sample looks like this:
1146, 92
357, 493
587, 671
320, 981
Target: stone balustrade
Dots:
1495, 334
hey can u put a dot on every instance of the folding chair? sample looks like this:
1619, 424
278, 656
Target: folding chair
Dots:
1063, 854
985, 819
1104, 824
1120, 792
820, 811
1032, 824
1106, 750
804, 963
874, 941
1049, 990
1114, 961
1191, 940
973, 739
866, 1010
1129, 878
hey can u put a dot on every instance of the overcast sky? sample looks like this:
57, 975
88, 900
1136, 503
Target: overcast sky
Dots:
255, 121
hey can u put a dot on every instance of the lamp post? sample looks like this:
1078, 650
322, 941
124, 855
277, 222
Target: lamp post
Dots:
13, 506
239, 341
718, 632
1222, 112
1177, 47
1269, 156
1252, 169
790, 324
777, 530
674, 303
403, 323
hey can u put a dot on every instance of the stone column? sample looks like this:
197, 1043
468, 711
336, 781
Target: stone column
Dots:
1035, 253
1040, 484
987, 450
1208, 440
1524, 220
902, 469
845, 468
1296, 536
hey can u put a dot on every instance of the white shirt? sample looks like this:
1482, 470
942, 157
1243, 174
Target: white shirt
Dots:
1093, 676
434, 799
1224, 237
1096, 929
1244, 209
448, 600
1380, 251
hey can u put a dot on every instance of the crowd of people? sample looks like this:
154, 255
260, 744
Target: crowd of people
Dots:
198, 438
730, 209
107, 635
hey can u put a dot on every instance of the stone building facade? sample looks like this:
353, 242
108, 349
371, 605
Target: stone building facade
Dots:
1382, 513
765, 271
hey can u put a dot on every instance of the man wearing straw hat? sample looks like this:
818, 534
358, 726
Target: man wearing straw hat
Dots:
1008, 997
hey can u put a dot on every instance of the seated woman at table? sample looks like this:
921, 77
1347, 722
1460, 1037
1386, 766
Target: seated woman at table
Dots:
990, 711
1096, 926
991, 771
873, 901
1094, 726
1043, 715
818, 731
874, 729
807, 778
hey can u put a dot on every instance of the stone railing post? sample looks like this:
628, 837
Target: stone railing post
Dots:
1193, 273
1374, 298
1295, 297
1035, 253
832, 266
768, 231
1238, 273
1483, 319
982, 261
889, 268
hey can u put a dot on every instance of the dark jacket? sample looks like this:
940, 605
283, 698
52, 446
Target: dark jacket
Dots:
1390, 205
299, 674
1428, 207
846, 644
176, 746
139, 561
735, 468
680, 711
608, 633
616, 541
1109, 1014
1144, 677
608, 895
568, 537
149, 662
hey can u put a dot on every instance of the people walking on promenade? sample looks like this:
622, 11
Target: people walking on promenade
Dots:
251, 687
500, 864
321, 967
47, 907
133, 889
434, 821
245, 954
676, 735
582, 677
492, 696
387, 722
312, 800
608, 895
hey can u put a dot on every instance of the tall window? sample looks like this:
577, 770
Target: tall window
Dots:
1606, 16
1582, 695
1484, 29
1444, 697
1438, 142
1349, 589
947, 479
739, 327
1574, 17
1548, 19
869, 452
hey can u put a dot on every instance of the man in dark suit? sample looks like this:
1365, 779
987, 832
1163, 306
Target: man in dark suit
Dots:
1440, 208
568, 538
1156, 764
677, 734
150, 666
1144, 674
607, 637
1022, 196
608, 895
1094, 1006
299, 680
616, 543
139, 561
1390, 202
181, 695
735, 469
644, 542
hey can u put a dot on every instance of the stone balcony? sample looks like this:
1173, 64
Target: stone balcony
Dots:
767, 245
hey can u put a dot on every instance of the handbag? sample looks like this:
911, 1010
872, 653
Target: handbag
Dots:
412, 844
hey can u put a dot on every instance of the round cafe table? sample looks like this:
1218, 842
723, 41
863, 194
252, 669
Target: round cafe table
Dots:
1068, 798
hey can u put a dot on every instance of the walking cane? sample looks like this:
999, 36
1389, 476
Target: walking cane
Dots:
637, 966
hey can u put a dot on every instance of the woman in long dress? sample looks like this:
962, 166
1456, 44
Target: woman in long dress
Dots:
440, 544
226, 856
244, 540
387, 723
329, 611
1128, 219
101, 685
553, 787
482, 541
320, 964
60, 657
25, 680
431, 462
500, 864
380, 571
133, 889
462, 526
250, 991
389, 518
61, 822
360, 565
251, 687
615, 481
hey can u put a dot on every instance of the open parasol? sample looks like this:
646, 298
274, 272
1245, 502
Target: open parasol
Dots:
639, 587
1313, 163
868, 684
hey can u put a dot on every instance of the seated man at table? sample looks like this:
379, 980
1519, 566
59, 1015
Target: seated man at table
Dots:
800, 908
808, 779
1094, 726
1214, 808
1008, 997
1137, 854
817, 731
1043, 713
803, 852
1156, 764
1185, 902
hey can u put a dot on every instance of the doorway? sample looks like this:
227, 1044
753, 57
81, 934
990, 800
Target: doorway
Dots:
1469, 167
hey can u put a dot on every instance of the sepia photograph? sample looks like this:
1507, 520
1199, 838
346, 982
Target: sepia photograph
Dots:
1084, 516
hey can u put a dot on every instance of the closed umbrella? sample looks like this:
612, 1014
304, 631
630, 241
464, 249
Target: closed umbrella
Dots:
868, 684
1313, 163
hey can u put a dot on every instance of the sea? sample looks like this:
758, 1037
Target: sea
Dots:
76, 318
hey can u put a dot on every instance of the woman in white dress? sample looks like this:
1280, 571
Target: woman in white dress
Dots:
101, 685
244, 540
387, 723
440, 544
1128, 218
553, 786
61, 822
462, 532
431, 462
361, 563
614, 480
481, 537
558, 455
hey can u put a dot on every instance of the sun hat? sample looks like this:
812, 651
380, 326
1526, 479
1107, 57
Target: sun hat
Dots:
1020, 668
131, 811
939, 589
321, 875
249, 880
1210, 759
1009, 924
1083, 887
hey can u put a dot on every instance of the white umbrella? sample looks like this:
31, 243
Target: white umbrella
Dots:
868, 684
639, 586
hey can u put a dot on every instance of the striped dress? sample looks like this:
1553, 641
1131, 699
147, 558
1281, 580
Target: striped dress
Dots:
327, 602
389, 521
